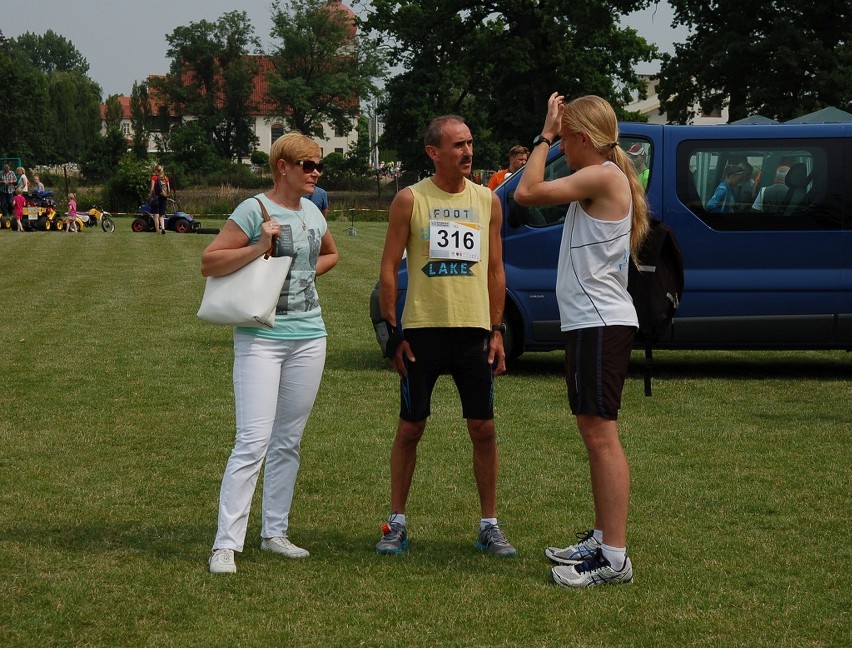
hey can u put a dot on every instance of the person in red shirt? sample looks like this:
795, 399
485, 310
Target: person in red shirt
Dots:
517, 158
160, 190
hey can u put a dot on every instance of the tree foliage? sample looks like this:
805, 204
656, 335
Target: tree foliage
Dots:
496, 62
211, 79
50, 52
320, 67
48, 97
140, 119
780, 59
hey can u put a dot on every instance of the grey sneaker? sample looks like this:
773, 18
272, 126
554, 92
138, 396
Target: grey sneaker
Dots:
282, 545
492, 540
576, 553
222, 562
594, 571
394, 538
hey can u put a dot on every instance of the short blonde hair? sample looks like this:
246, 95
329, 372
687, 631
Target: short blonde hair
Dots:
292, 147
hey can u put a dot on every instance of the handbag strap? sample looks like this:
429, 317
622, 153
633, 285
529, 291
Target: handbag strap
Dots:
266, 217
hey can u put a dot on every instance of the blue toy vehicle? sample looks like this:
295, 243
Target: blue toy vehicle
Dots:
176, 220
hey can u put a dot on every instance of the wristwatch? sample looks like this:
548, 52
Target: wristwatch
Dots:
501, 327
538, 139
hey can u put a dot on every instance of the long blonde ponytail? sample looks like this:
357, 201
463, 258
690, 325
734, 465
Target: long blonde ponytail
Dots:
594, 116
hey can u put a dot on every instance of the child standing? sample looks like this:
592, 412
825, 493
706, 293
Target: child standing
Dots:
18, 202
71, 218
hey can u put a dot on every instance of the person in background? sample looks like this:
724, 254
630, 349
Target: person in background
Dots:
606, 223
10, 182
18, 203
23, 182
37, 185
517, 159
453, 321
639, 158
320, 198
277, 371
770, 198
160, 190
71, 216
724, 198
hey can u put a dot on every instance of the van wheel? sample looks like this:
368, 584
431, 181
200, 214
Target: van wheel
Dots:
513, 338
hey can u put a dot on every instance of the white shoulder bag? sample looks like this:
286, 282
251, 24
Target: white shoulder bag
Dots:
248, 296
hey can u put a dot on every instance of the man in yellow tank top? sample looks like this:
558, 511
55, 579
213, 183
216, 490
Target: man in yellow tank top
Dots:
449, 228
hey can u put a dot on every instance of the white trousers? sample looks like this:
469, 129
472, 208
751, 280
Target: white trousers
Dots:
275, 386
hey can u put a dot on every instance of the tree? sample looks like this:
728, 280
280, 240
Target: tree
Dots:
321, 69
113, 113
51, 52
211, 80
23, 134
495, 63
75, 120
70, 114
779, 59
140, 119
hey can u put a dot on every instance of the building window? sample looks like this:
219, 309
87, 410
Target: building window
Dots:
277, 131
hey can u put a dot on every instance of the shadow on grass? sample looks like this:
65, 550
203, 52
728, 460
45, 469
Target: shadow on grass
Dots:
734, 365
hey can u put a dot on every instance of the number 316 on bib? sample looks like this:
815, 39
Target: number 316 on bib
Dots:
452, 240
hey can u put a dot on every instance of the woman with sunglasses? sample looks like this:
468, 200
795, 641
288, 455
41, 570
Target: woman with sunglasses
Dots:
277, 371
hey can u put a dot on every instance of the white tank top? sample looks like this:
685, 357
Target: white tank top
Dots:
591, 276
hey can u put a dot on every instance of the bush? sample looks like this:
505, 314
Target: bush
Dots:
128, 187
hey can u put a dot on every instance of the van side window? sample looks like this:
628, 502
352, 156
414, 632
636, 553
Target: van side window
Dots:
779, 184
541, 216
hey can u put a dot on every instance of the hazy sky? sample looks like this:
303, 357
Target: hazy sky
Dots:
124, 40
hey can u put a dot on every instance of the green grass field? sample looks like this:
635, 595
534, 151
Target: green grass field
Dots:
116, 419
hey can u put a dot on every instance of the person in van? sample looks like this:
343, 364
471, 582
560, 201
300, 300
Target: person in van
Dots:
639, 158
726, 196
771, 197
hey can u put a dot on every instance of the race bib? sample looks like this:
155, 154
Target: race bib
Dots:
454, 240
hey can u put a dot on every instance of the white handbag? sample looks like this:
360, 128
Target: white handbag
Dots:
248, 296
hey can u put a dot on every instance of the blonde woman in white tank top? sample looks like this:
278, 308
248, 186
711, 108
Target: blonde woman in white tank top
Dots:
604, 226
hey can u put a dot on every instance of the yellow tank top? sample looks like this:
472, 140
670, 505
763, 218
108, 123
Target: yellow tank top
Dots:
448, 258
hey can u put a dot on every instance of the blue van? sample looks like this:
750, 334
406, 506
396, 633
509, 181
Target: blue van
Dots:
767, 260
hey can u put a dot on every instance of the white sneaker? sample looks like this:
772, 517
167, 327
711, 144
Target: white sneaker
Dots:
594, 571
282, 545
222, 562
576, 553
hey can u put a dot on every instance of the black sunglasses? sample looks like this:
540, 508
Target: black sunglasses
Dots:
309, 166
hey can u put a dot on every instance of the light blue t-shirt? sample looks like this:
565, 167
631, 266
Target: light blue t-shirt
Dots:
298, 316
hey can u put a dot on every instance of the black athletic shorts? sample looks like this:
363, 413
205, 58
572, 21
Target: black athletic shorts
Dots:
460, 352
596, 362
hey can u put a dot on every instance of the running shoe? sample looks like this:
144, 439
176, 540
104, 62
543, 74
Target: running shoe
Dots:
575, 553
492, 540
394, 538
592, 572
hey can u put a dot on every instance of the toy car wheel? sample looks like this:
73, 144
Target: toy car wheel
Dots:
181, 226
6, 222
42, 224
139, 225
107, 224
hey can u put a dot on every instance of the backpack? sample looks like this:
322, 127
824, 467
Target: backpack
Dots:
656, 286
161, 188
